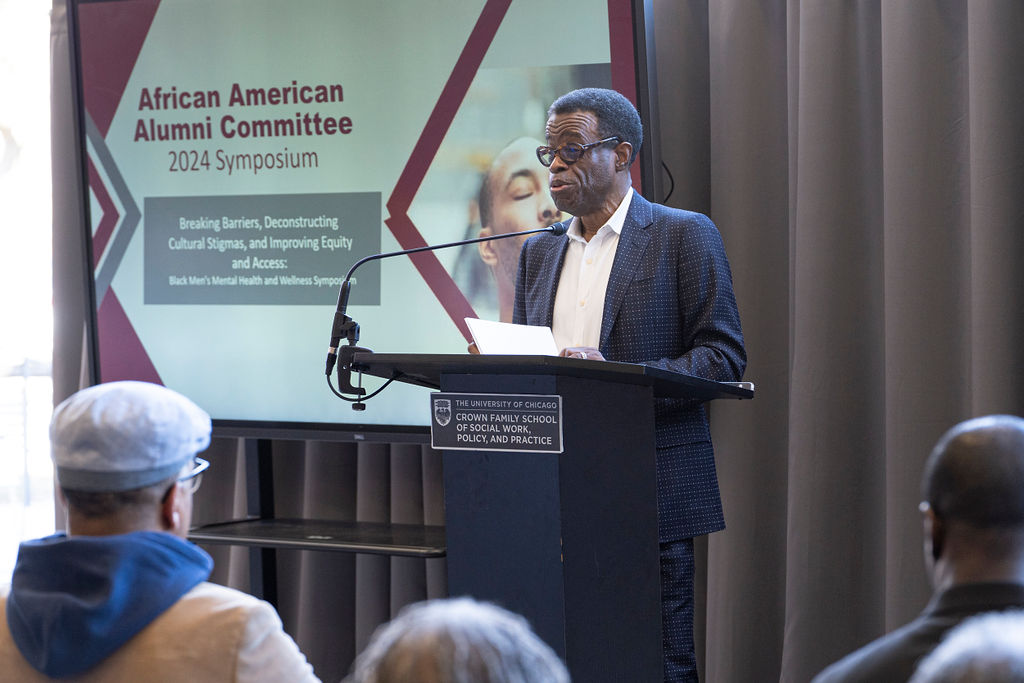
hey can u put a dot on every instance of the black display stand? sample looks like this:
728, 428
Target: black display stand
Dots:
264, 532
569, 540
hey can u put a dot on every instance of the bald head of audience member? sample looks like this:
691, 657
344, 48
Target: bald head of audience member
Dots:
985, 649
973, 517
457, 641
973, 507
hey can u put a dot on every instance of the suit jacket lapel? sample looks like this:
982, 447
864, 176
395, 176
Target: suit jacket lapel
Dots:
549, 275
632, 243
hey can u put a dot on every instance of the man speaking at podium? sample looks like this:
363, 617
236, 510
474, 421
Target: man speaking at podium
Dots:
637, 282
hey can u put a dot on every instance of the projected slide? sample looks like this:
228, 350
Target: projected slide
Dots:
243, 154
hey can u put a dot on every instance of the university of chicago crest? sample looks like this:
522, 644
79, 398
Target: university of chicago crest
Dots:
442, 411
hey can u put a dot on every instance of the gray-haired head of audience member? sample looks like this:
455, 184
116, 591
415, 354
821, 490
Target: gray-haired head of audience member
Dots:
973, 490
988, 648
457, 640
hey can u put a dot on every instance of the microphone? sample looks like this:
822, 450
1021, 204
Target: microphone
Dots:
344, 327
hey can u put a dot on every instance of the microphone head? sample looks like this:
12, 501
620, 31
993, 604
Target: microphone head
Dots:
558, 229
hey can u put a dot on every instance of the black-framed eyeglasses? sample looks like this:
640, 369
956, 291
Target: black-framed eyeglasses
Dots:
191, 481
570, 152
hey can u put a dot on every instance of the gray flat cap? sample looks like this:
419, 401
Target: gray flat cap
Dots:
125, 435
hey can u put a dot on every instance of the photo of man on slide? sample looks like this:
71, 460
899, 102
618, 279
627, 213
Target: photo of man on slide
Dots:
514, 196
487, 175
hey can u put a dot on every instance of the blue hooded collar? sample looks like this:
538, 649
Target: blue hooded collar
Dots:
76, 600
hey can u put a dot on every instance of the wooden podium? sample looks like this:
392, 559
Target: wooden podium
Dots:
569, 540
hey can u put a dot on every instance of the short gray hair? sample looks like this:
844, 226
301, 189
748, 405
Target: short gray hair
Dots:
989, 647
458, 640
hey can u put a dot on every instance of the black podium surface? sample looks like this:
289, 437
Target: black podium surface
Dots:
568, 539
425, 370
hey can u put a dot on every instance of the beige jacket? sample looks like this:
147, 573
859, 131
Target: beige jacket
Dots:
212, 633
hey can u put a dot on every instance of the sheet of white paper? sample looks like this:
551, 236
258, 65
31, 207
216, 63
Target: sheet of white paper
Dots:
509, 339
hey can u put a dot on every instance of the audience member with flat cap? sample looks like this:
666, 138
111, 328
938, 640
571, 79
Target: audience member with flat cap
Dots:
123, 596
973, 517
457, 641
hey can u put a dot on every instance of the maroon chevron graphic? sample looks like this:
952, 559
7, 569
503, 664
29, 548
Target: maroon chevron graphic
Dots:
620, 30
402, 227
107, 64
122, 355
108, 220
620, 21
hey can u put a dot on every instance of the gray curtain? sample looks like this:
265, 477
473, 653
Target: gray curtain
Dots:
864, 161
865, 164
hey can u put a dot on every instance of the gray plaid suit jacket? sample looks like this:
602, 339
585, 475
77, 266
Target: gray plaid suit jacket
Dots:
669, 304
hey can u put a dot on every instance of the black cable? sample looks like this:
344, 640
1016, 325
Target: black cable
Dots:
360, 399
672, 180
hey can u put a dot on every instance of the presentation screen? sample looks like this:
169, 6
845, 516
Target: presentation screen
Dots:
241, 155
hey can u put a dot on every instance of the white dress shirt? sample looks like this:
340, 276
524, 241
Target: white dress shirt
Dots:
579, 301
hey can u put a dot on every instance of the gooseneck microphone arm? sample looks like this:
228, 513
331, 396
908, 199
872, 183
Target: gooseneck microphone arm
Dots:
344, 327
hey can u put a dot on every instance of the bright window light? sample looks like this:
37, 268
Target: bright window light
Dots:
26, 476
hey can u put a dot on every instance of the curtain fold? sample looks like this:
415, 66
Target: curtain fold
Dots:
996, 112
749, 203
864, 162
926, 229
837, 409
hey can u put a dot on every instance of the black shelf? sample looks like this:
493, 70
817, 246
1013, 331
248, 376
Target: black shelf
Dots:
408, 540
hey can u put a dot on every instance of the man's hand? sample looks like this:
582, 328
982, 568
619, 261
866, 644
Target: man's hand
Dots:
582, 352
472, 348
